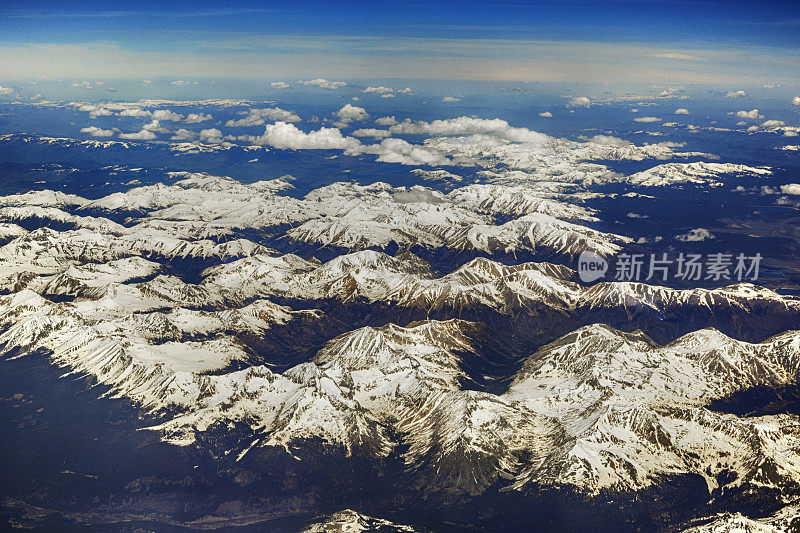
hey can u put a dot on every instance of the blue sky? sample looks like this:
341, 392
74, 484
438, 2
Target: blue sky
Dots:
691, 41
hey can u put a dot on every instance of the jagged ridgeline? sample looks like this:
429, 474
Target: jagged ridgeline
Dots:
425, 355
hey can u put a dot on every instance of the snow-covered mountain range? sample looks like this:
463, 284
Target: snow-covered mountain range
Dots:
203, 302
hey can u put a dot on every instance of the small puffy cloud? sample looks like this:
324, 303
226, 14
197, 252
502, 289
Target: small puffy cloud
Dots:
134, 112
83, 85
143, 135
147, 82
194, 118
372, 132
386, 121
183, 135
183, 83
579, 101
390, 95
647, 119
211, 136
258, 117
5, 91
735, 94
791, 188
696, 235
405, 153
407, 90
166, 114
546, 114
288, 136
279, 85
324, 84
94, 131
796, 100
773, 124
154, 126
350, 113
378, 90
451, 99
35, 97
671, 92
753, 113
95, 110
682, 111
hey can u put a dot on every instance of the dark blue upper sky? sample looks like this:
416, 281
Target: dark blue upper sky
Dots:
280, 38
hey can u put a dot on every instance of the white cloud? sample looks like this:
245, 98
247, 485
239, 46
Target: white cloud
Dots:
469, 126
35, 97
407, 90
154, 126
671, 92
696, 235
134, 112
753, 113
372, 132
791, 188
682, 111
257, 117
288, 136
211, 136
405, 153
451, 99
95, 110
387, 96
647, 119
546, 114
796, 100
386, 121
194, 118
147, 82
279, 85
83, 85
378, 90
773, 124
5, 91
579, 101
182, 83
183, 135
94, 131
143, 135
166, 114
324, 84
735, 94
350, 113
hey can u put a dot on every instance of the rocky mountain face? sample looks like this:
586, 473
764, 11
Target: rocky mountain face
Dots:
496, 381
